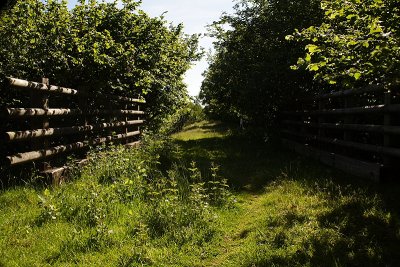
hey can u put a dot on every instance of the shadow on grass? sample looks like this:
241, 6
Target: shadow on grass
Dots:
360, 236
247, 164
366, 239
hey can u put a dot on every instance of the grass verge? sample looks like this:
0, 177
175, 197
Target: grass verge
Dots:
169, 204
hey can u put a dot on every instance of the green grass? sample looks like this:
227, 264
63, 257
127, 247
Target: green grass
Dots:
202, 130
293, 211
155, 207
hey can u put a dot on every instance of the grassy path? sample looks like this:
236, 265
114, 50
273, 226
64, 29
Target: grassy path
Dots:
237, 229
149, 207
291, 212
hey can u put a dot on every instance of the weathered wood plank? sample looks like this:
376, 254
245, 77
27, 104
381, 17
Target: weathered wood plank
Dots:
28, 112
37, 133
23, 84
349, 165
356, 91
394, 152
44, 153
372, 128
28, 85
348, 111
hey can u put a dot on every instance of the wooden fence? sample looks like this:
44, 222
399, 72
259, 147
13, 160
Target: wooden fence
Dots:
353, 130
55, 121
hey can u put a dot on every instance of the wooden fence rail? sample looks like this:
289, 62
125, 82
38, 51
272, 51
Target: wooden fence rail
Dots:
76, 125
348, 129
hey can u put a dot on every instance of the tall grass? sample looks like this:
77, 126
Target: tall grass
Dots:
216, 199
123, 209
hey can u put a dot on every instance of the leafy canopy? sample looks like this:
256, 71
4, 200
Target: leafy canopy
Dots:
249, 75
357, 43
99, 46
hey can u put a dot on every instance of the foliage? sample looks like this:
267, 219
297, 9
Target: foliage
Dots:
98, 46
357, 43
190, 112
7, 4
249, 75
124, 198
292, 211
320, 223
134, 208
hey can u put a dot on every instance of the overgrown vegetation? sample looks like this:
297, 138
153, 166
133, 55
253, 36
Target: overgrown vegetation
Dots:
190, 112
356, 44
291, 211
166, 204
212, 194
271, 52
100, 47
249, 75
123, 209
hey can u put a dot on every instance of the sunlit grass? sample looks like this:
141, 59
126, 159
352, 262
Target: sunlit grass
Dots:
125, 209
202, 130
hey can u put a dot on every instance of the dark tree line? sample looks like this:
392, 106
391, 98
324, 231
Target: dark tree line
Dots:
6, 4
250, 75
270, 52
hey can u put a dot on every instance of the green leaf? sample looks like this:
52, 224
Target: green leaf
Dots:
313, 67
289, 37
357, 75
312, 48
349, 17
301, 61
351, 43
375, 28
333, 15
46, 192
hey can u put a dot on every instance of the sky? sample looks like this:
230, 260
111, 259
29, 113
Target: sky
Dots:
195, 16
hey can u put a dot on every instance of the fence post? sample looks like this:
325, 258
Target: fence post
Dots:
45, 103
320, 118
387, 120
303, 128
126, 125
40, 101
110, 118
348, 119
138, 117
83, 106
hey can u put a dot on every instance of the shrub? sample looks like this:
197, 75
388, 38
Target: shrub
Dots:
124, 194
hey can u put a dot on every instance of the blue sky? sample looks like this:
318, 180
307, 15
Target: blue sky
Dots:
195, 15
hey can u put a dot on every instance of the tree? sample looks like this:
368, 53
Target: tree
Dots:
7, 4
249, 75
357, 43
98, 46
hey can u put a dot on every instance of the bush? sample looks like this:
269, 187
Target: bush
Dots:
249, 76
100, 46
126, 195
356, 44
189, 113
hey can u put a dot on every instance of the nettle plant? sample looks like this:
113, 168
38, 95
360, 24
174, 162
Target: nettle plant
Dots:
357, 43
181, 204
130, 188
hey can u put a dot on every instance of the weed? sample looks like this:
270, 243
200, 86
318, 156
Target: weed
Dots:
164, 204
